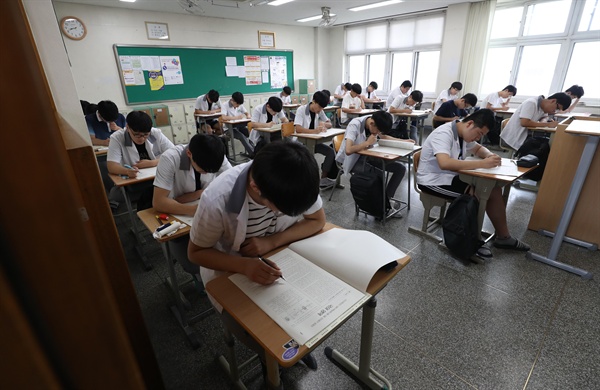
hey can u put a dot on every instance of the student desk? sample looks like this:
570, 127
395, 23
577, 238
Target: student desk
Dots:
270, 336
366, 111
228, 125
506, 113
100, 151
484, 183
143, 176
311, 140
419, 116
266, 132
288, 108
579, 216
388, 158
202, 118
148, 218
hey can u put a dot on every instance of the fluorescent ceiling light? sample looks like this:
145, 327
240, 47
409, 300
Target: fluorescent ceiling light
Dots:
128, 1
375, 5
279, 2
312, 18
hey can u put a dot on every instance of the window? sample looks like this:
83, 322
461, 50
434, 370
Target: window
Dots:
534, 76
402, 68
376, 70
356, 65
498, 66
590, 20
427, 71
547, 18
584, 61
507, 23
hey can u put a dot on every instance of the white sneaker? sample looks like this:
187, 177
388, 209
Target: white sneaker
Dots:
326, 182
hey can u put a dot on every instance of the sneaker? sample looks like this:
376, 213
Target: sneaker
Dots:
393, 211
326, 182
511, 243
310, 361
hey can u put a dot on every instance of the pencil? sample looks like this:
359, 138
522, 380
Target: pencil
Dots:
159, 220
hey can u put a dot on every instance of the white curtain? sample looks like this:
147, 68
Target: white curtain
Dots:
477, 35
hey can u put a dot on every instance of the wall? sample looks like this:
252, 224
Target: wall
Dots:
93, 62
452, 45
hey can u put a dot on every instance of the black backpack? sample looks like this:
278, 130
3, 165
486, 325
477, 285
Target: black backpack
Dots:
460, 227
367, 191
539, 147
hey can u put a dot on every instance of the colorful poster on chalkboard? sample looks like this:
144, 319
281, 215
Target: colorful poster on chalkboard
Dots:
171, 70
252, 65
156, 80
278, 65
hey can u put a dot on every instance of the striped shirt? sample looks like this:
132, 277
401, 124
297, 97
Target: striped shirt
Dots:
261, 220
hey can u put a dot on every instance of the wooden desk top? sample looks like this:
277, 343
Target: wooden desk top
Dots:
509, 111
544, 129
100, 150
520, 171
207, 116
235, 121
366, 111
292, 105
326, 134
267, 129
148, 218
121, 182
373, 152
583, 127
330, 108
414, 113
264, 330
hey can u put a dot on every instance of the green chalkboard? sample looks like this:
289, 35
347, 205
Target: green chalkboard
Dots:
203, 69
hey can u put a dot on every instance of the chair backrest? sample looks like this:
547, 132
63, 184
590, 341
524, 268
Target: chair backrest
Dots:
337, 142
432, 106
287, 129
249, 125
503, 124
338, 112
416, 158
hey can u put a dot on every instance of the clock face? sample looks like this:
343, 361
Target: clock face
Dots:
73, 28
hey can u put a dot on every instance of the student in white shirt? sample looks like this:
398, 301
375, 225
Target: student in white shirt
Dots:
575, 92
404, 105
352, 103
498, 101
370, 97
311, 119
267, 115
339, 93
402, 90
448, 94
209, 103
285, 95
232, 110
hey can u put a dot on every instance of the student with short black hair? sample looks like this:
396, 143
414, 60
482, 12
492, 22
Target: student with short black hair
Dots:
267, 115
370, 97
448, 94
361, 134
285, 95
454, 109
339, 93
529, 114
405, 105
310, 119
444, 153
104, 122
402, 90
575, 92
232, 110
352, 103
209, 103
250, 210
498, 101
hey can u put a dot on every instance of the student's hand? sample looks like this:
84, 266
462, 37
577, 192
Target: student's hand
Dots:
113, 126
552, 124
321, 128
492, 161
254, 246
105, 142
132, 173
410, 141
269, 124
144, 164
371, 140
259, 272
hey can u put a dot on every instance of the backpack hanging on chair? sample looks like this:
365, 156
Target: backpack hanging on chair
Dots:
460, 227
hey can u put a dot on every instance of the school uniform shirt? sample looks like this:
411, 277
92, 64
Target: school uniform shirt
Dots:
445, 140
450, 110
175, 172
261, 115
221, 221
369, 95
122, 149
400, 103
202, 104
229, 110
347, 102
284, 99
338, 91
494, 99
514, 134
443, 95
100, 129
303, 117
355, 132
394, 94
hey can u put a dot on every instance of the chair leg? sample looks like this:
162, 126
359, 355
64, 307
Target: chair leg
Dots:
337, 182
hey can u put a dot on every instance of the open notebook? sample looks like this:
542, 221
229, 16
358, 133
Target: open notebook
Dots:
326, 279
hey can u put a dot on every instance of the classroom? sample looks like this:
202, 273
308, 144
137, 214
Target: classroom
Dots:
82, 310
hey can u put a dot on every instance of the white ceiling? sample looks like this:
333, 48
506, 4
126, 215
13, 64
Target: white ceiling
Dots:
283, 14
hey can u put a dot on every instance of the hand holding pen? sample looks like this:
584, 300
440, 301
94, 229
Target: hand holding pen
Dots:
132, 173
272, 265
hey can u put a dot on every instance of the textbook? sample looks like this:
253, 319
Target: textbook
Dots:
325, 280
398, 148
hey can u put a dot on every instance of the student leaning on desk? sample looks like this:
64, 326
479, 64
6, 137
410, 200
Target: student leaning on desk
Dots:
352, 103
209, 103
402, 90
454, 109
443, 155
265, 116
104, 122
404, 105
252, 209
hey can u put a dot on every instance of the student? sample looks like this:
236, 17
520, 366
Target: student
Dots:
356, 139
285, 95
575, 92
369, 96
138, 146
352, 103
104, 122
529, 113
311, 119
340, 92
404, 105
252, 209
265, 116
402, 90
209, 103
444, 154
232, 110
183, 173
448, 94
498, 101
454, 109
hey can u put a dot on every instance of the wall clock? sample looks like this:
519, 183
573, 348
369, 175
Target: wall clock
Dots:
73, 28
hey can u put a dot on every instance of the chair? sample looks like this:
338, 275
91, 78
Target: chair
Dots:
287, 129
337, 143
502, 144
338, 118
429, 201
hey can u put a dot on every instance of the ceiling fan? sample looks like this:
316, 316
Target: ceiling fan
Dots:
327, 20
191, 6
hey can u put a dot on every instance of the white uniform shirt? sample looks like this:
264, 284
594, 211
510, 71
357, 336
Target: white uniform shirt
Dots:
303, 116
443, 139
513, 133
221, 219
356, 133
394, 94
369, 95
202, 104
400, 103
259, 115
122, 150
175, 172
347, 102
339, 91
284, 99
443, 95
494, 99
229, 110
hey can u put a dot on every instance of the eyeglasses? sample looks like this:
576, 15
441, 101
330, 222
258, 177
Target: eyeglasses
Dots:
139, 135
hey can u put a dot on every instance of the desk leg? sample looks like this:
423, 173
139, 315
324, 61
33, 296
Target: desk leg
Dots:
311, 144
229, 364
483, 190
582, 170
136, 232
421, 124
363, 372
384, 177
409, 158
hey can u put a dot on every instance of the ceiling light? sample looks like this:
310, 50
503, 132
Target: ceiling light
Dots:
311, 18
375, 5
279, 2
128, 1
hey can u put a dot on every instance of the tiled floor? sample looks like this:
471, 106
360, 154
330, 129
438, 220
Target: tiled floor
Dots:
511, 323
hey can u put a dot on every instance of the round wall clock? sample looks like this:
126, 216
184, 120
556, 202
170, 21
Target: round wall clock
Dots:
73, 28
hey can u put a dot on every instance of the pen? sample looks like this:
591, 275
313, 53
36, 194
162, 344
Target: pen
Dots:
265, 261
158, 219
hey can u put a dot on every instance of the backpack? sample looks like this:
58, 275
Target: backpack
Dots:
539, 147
367, 191
460, 227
